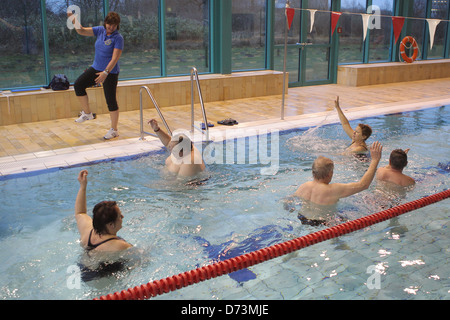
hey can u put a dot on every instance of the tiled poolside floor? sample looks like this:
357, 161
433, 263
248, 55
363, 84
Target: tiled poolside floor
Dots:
64, 138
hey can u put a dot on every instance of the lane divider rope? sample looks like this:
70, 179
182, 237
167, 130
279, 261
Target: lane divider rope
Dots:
159, 287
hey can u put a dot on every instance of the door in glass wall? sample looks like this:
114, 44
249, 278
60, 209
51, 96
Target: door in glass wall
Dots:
309, 50
21, 50
187, 36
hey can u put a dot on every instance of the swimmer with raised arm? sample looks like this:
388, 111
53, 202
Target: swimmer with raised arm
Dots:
358, 136
185, 159
100, 232
321, 193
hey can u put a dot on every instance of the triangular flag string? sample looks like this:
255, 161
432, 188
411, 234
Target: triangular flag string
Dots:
359, 13
312, 15
397, 23
290, 12
365, 20
432, 24
334, 20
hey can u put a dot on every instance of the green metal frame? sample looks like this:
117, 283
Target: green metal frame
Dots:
221, 36
45, 40
447, 43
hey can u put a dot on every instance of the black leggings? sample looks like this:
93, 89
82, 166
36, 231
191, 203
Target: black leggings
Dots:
87, 79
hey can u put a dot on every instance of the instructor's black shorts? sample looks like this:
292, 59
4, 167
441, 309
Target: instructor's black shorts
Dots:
87, 79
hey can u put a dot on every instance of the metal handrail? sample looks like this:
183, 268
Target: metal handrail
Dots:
157, 109
206, 131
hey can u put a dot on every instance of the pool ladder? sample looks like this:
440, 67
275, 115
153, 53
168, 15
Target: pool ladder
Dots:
194, 76
157, 109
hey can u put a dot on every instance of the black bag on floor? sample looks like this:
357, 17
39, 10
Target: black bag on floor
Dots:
59, 82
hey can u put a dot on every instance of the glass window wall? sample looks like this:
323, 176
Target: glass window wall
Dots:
21, 51
248, 34
69, 52
351, 46
379, 33
25, 61
416, 27
139, 26
439, 10
187, 36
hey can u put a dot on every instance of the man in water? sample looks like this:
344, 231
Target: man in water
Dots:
185, 159
320, 194
393, 172
358, 136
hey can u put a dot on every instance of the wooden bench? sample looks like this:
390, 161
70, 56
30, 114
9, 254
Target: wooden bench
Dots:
381, 73
42, 105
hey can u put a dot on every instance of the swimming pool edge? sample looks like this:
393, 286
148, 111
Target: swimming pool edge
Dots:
120, 150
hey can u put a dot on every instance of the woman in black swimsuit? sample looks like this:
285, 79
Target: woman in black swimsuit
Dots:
99, 233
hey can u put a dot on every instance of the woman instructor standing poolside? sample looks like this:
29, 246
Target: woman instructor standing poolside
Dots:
104, 70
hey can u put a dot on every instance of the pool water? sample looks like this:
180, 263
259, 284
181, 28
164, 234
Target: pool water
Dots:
235, 209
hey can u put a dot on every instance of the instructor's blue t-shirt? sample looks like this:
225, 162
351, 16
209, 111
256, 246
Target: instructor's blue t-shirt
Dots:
104, 47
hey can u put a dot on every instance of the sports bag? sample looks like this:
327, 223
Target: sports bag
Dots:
59, 82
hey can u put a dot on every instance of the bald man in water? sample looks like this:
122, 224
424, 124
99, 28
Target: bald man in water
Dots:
321, 192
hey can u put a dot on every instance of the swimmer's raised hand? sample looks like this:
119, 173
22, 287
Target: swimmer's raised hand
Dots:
82, 178
375, 151
336, 102
154, 124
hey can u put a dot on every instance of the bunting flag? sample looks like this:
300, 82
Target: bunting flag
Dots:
334, 20
432, 24
290, 12
365, 20
397, 23
312, 15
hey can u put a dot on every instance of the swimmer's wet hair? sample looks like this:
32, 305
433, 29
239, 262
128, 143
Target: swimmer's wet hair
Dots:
366, 130
104, 212
322, 167
398, 159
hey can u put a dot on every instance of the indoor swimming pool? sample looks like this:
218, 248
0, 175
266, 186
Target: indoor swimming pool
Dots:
177, 225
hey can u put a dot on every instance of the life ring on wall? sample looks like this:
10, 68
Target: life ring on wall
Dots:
413, 43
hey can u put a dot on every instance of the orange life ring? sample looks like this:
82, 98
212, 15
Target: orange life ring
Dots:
414, 45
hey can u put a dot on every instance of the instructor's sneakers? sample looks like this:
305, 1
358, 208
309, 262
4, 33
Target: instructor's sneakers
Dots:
85, 116
111, 134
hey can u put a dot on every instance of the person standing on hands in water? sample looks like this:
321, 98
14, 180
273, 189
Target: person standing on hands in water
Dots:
105, 69
184, 159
